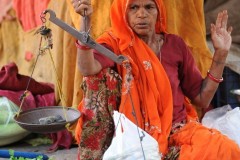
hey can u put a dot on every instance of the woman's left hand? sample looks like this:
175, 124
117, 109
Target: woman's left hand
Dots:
220, 34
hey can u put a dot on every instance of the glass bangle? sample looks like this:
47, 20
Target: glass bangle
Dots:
81, 46
217, 80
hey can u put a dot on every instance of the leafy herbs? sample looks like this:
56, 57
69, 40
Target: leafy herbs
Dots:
11, 153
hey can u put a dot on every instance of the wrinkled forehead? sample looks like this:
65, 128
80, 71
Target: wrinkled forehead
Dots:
140, 1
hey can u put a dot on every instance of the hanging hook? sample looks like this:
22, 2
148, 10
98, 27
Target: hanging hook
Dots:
43, 17
45, 32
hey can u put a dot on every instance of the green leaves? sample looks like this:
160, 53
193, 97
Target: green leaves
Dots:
11, 153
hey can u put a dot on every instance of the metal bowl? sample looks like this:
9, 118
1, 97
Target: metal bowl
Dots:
236, 92
29, 119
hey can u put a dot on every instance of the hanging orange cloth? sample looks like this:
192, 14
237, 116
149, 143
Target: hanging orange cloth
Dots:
100, 17
150, 89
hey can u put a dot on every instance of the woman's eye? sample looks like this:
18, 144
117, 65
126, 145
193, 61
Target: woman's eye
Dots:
134, 7
148, 7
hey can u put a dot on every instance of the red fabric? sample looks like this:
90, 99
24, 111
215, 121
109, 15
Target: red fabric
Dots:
105, 61
5, 6
28, 56
11, 80
13, 85
30, 101
28, 12
104, 91
61, 139
180, 67
174, 59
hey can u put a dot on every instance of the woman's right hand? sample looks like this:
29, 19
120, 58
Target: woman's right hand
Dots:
82, 7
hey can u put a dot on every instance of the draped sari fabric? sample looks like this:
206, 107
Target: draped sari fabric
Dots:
199, 143
150, 88
151, 96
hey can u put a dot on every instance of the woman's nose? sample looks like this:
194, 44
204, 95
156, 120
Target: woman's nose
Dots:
142, 13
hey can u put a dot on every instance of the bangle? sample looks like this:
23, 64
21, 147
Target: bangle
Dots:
217, 80
81, 46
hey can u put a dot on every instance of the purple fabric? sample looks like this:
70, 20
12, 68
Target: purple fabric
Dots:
13, 85
11, 80
183, 74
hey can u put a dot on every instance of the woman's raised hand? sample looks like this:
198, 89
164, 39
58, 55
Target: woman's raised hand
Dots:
82, 7
221, 34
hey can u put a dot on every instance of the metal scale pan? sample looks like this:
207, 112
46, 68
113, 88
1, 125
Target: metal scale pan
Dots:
29, 119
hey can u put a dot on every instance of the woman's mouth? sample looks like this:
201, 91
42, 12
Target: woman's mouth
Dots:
141, 25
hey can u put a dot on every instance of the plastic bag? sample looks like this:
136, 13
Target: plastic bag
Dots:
211, 116
226, 120
7, 110
126, 144
10, 131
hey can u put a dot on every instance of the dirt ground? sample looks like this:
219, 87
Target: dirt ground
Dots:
61, 154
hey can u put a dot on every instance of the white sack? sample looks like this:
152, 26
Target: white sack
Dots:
226, 120
126, 142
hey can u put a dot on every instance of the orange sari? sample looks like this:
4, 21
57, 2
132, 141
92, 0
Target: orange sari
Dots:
150, 88
197, 142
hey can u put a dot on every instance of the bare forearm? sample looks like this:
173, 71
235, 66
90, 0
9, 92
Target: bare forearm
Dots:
222, 40
86, 62
209, 86
85, 57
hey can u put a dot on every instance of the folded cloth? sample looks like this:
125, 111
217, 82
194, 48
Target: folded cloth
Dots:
13, 85
10, 79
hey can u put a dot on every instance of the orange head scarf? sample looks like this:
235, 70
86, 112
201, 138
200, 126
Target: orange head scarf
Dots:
150, 89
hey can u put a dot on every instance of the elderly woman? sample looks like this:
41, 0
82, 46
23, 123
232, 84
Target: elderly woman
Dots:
164, 75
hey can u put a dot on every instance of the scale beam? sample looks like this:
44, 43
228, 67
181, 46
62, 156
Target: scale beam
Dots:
85, 38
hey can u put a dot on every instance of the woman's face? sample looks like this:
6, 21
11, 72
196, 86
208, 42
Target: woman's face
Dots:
142, 16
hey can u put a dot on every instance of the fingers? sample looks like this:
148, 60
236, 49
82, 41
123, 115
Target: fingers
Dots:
75, 4
229, 30
83, 7
213, 28
85, 2
222, 19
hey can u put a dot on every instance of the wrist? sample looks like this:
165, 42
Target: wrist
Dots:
81, 46
220, 57
219, 60
213, 78
221, 52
